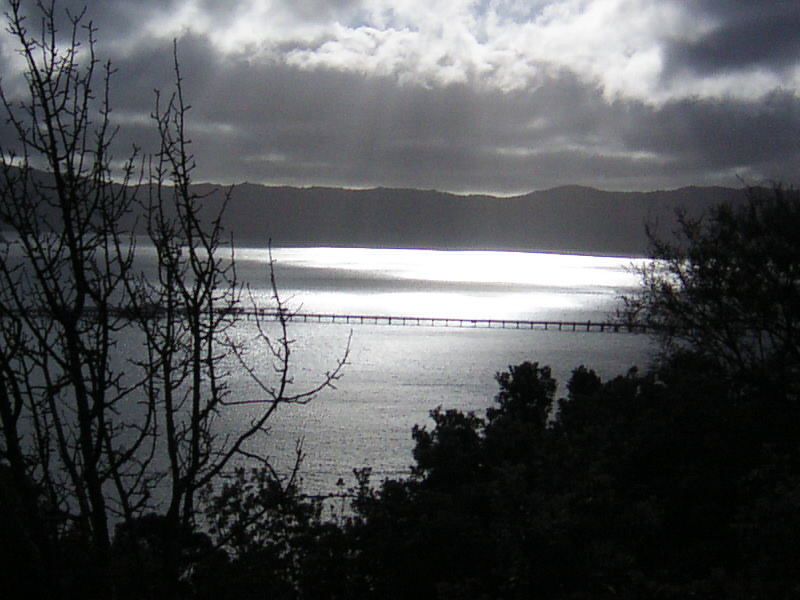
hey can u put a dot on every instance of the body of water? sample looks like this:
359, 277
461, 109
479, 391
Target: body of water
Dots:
395, 375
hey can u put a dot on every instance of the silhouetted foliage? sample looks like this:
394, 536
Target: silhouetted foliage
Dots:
273, 542
729, 288
654, 485
19, 550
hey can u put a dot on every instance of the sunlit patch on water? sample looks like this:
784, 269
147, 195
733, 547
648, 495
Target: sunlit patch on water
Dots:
433, 283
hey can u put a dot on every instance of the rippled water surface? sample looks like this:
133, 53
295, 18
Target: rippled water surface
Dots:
396, 375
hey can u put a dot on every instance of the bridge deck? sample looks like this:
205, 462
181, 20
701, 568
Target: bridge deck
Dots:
399, 320
403, 320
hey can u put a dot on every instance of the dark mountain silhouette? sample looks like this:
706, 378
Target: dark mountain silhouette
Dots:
565, 219
571, 219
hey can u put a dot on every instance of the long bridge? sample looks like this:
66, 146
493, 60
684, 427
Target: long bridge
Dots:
156, 312
458, 322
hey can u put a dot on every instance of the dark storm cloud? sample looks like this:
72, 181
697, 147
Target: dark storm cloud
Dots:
743, 35
265, 121
721, 133
344, 129
359, 106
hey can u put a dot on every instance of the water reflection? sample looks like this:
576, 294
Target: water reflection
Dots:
432, 283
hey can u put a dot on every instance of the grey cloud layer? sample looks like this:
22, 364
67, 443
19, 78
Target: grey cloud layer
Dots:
257, 116
746, 35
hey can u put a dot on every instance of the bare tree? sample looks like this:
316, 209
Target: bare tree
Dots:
62, 275
190, 347
92, 436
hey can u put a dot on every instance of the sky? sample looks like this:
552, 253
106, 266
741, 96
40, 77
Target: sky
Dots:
484, 96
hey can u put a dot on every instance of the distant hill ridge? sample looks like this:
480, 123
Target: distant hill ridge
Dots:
573, 219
